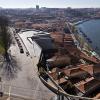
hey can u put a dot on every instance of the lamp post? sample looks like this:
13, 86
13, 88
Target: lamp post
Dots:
58, 96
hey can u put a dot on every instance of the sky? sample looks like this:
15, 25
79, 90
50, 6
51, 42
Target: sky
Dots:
49, 3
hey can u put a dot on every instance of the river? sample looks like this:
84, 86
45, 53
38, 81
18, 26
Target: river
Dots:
91, 32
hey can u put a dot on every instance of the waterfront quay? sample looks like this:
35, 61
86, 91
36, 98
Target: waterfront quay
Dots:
27, 85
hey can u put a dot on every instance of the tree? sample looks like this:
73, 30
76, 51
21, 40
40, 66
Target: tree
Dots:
5, 35
9, 64
9, 67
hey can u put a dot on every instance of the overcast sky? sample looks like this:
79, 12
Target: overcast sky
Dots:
49, 3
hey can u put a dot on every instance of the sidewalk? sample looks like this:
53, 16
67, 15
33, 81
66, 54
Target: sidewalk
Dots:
5, 97
27, 83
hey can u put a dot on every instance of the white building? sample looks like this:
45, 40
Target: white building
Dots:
37, 42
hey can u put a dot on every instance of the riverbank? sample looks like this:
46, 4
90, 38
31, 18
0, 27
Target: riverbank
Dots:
89, 30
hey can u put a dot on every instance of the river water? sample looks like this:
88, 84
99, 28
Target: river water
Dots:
91, 31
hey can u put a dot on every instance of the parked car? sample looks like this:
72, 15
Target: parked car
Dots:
21, 51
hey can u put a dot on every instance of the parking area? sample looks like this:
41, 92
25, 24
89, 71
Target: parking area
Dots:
27, 85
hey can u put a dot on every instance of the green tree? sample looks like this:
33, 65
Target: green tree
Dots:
9, 66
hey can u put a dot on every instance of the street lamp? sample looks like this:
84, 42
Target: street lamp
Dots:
58, 77
59, 97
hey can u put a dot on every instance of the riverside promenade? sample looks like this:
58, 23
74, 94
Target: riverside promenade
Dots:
27, 85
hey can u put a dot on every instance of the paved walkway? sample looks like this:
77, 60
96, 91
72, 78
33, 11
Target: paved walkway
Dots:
27, 84
5, 97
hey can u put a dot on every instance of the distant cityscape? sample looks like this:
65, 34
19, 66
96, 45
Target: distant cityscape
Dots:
44, 18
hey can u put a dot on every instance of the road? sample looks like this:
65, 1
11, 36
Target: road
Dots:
27, 84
